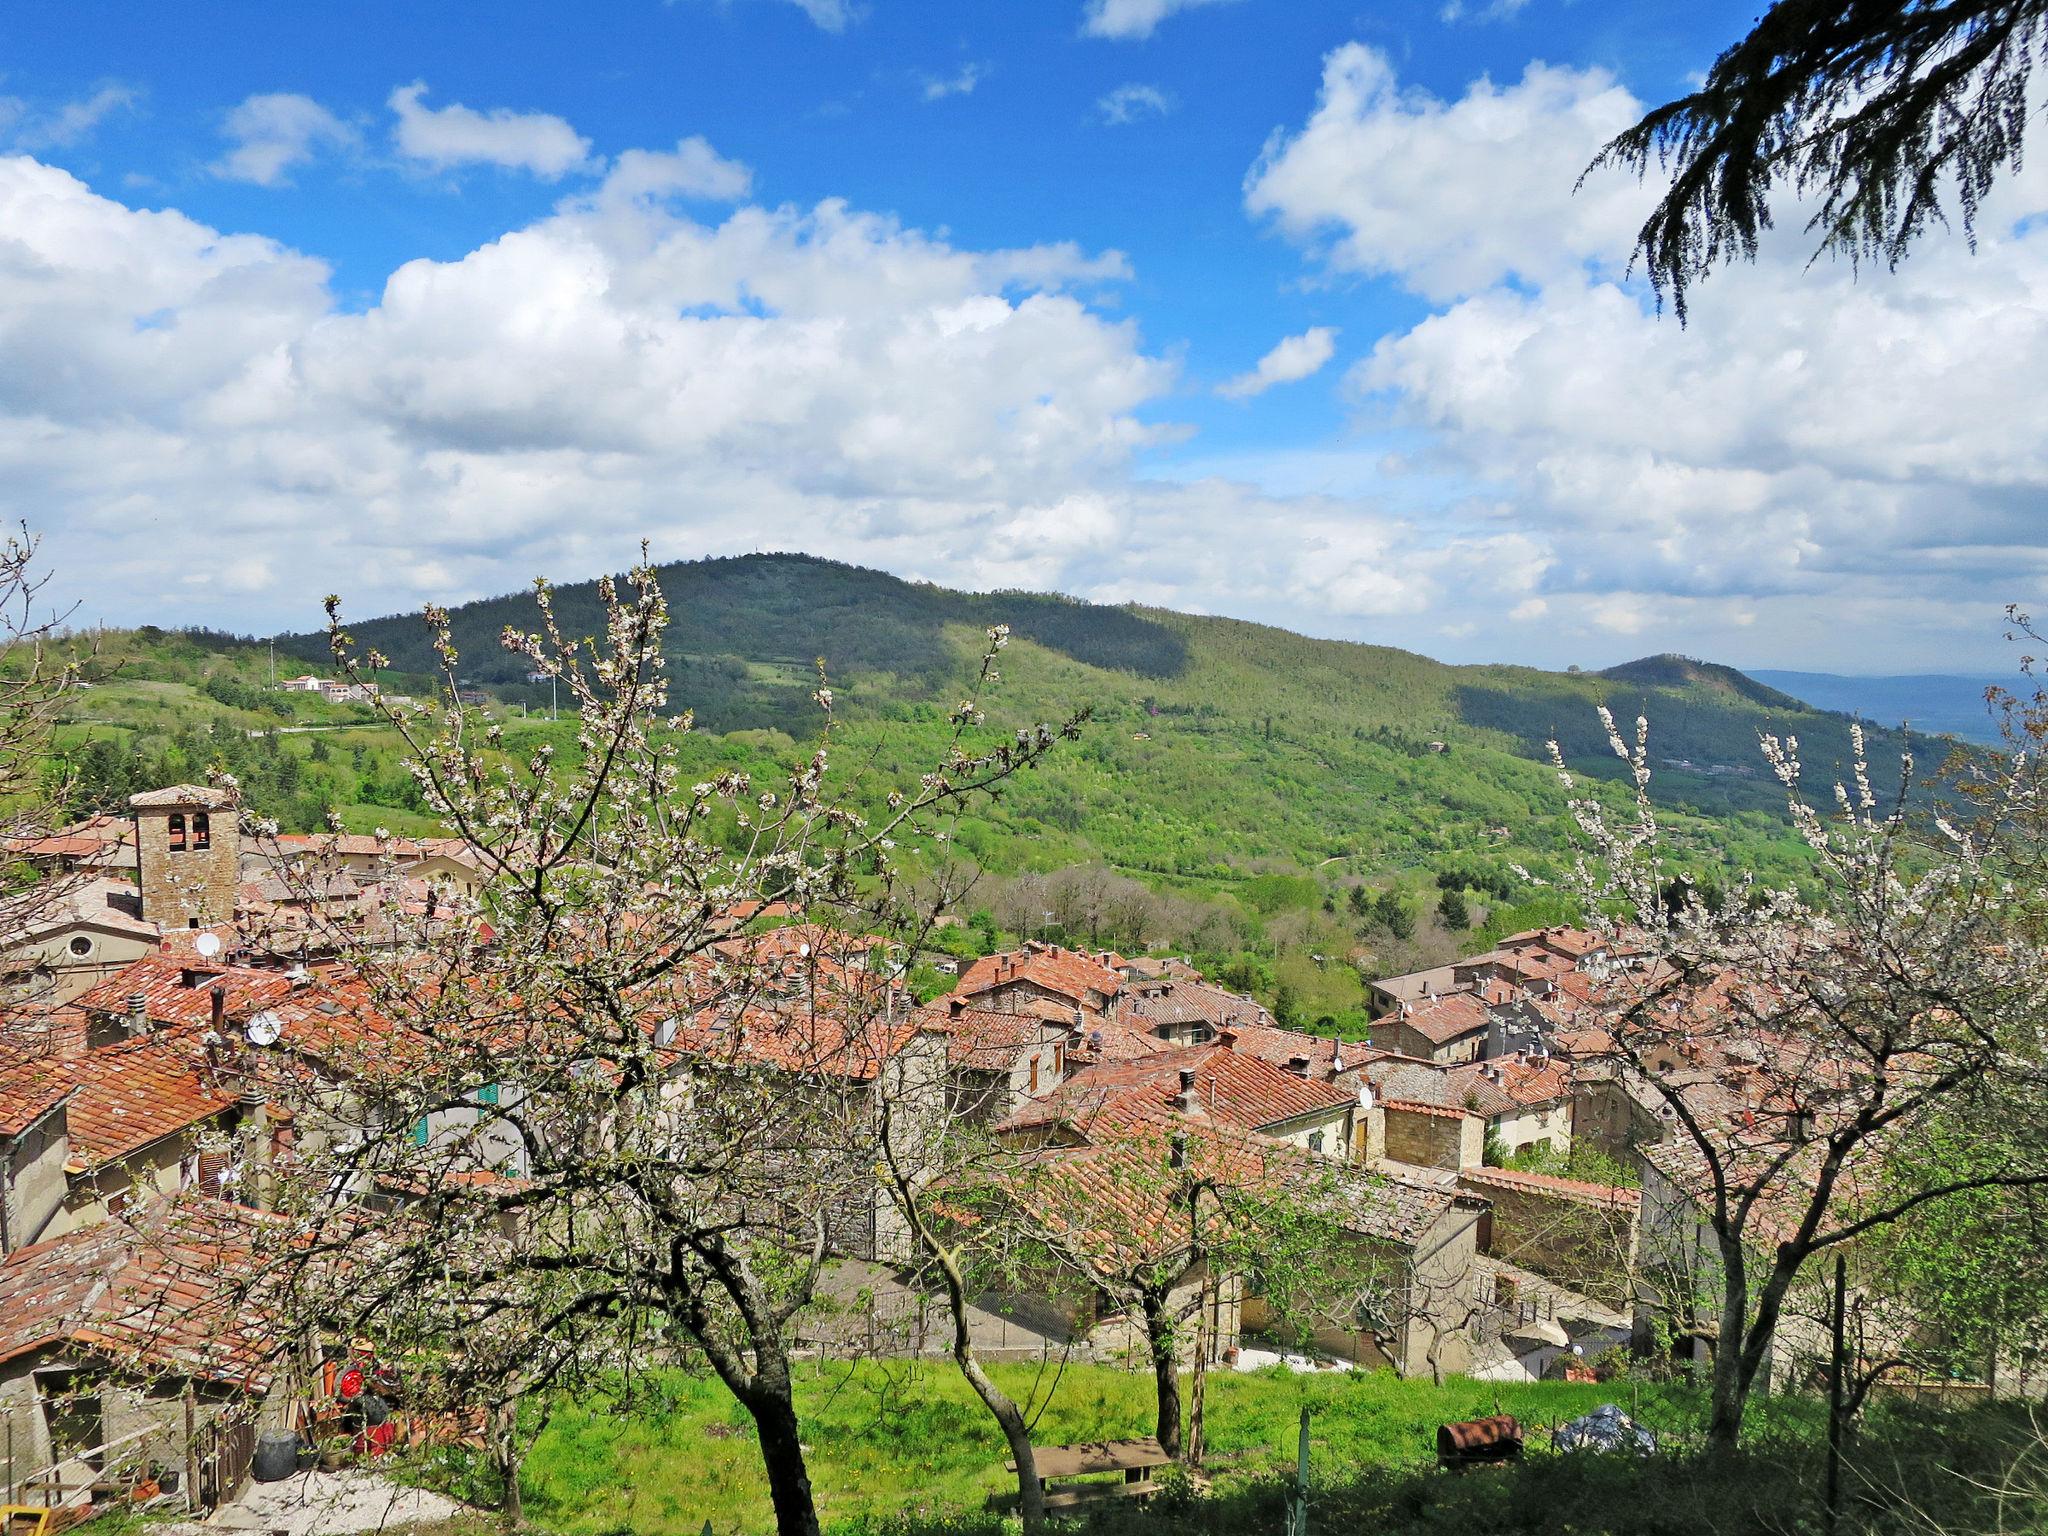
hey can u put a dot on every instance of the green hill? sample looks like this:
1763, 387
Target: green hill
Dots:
1322, 718
1263, 787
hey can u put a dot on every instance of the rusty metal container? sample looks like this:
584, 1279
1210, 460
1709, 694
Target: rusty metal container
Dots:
1478, 1441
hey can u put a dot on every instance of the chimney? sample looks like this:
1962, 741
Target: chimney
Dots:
955, 1006
1184, 1101
1177, 1150
138, 1014
1227, 1038
220, 1009
1336, 1058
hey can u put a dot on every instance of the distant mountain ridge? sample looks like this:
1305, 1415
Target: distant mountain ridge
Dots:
748, 631
1673, 671
1951, 704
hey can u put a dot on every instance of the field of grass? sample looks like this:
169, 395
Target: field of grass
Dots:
903, 1449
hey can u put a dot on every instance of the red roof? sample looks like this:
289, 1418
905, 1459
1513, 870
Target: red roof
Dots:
1522, 1085
1415, 1107
136, 1092
1061, 971
1442, 1019
168, 1292
985, 1040
1230, 1088
1550, 1184
29, 1090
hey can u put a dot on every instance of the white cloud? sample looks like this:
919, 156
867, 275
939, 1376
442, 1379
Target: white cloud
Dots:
961, 83
1133, 18
1819, 466
830, 15
69, 123
1295, 357
1493, 10
191, 404
1129, 103
271, 134
1451, 196
692, 169
445, 137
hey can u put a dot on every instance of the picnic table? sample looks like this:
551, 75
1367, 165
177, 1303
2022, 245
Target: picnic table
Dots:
1136, 1459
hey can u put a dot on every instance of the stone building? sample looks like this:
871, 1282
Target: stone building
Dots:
188, 855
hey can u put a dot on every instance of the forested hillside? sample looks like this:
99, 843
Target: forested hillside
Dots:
1265, 793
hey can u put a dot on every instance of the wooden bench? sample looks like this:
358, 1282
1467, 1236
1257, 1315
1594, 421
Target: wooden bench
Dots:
1136, 1459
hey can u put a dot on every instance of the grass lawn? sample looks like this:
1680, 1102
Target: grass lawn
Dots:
896, 1443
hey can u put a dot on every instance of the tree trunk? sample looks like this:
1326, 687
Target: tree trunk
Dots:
1159, 1335
505, 1459
1198, 1379
1729, 1394
1010, 1418
782, 1456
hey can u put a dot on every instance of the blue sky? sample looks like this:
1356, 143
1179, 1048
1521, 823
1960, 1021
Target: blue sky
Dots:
1046, 238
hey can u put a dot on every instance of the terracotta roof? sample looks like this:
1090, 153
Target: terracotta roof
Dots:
1105, 1041
1416, 1107
1522, 1085
983, 1040
168, 1292
177, 989
136, 1092
29, 1090
1575, 942
1285, 1047
179, 795
1444, 1019
1394, 1202
1231, 1088
1063, 971
1550, 1184
1191, 1002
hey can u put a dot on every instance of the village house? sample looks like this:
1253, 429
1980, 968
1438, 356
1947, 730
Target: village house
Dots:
79, 931
1239, 1092
1184, 1011
995, 1061
1046, 973
96, 845
1448, 1027
113, 1338
1410, 1272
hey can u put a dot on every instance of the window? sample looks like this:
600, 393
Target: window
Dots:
1034, 1072
80, 947
202, 830
1315, 1141
71, 1410
177, 831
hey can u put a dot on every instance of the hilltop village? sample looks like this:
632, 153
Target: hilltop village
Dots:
178, 974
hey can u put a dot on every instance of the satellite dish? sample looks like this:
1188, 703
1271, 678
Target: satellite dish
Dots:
208, 945
264, 1028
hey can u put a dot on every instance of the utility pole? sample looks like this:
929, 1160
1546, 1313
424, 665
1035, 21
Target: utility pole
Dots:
1297, 1514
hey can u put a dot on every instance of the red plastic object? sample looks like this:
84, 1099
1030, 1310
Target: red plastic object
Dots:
377, 1439
349, 1384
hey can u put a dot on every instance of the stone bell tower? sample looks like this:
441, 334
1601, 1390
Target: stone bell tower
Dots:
188, 855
